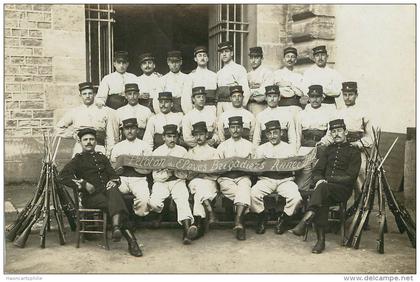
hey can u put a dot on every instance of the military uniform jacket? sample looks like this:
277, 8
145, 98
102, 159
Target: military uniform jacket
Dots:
94, 168
223, 122
338, 164
141, 113
258, 79
204, 78
289, 82
194, 116
234, 74
101, 119
180, 86
357, 121
114, 83
150, 84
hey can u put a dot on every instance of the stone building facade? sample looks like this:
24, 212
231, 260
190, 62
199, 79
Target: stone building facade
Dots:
46, 54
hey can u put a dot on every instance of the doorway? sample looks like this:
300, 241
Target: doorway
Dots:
158, 29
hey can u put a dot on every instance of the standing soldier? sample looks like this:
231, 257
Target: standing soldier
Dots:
258, 78
134, 109
178, 83
274, 181
199, 113
202, 186
154, 129
236, 98
231, 74
290, 82
133, 180
102, 119
201, 76
273, 112
149, 82
172, 183
334, 176
313, 121
236, 185
111, 88
321, 74
92, 174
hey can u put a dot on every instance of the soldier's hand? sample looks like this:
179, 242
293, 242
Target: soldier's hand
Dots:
99, 103
110, 185
89, 188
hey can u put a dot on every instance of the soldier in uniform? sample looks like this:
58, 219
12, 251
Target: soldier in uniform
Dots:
102, 119
236, 98
359, 127
133, 180
92, 174
274, 181
290, 82
202, 186
273, 112
258, 78
334, 176
154, 128
200, 113
202, 76
231, 74
134, 109
313, 122
172, 183
149, 82
111, 88
178, 83
321, 74
236, 185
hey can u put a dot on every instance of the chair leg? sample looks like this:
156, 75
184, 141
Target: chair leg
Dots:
343, 208
105, 230
83, 228
77, 229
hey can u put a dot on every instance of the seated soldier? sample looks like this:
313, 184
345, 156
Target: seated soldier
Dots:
274, 181
154, 128
91, 173
202, 186
133, 180
172, 183
236, 185
335, 175
134, 109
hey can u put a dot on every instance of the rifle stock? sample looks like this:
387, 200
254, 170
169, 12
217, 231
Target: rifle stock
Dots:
20, 241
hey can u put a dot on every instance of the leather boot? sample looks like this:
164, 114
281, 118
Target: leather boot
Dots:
200, 224
156, 220
190, 231
261, 221
116, 228
320, 243
299, 229
239, 228
211, 216
282, 223
133, 247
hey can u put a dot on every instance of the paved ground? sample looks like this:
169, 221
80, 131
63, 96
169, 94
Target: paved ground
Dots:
217, 252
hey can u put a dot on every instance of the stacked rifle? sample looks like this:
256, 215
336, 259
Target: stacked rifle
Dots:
376, 183
38, 209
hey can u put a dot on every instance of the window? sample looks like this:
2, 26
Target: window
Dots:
227, 22
99, 41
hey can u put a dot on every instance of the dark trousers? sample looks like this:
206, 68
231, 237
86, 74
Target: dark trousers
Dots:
110, 200
325, 195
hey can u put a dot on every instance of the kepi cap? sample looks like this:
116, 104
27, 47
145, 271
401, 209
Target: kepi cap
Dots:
165, 96
199, 90
85, 85
131, 87
146, 56
235, 88
174, 54
199, 127
315, 90
121, 55
200, 49
290, 50
349, 86
272, 89
337, 123
319, 49
272, 124
129, 122
255, 51
170, 129
235, 120
85, 131
225, 45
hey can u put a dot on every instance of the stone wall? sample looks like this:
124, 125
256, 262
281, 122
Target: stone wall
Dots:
44, 55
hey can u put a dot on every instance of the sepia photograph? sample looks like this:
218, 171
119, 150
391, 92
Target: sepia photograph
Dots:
224, 138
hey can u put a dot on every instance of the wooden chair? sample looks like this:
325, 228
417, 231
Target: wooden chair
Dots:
90, 221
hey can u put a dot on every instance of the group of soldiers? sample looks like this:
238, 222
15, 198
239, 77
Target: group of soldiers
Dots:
205, 116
